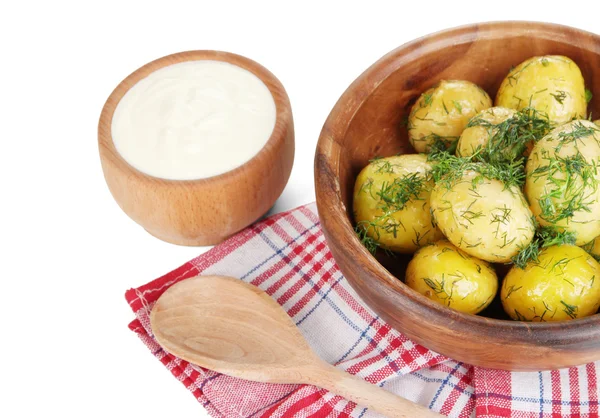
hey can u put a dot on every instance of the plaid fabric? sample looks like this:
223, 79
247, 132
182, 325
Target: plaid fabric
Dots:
286, 255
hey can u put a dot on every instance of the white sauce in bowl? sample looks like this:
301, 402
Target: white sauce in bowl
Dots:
193, 120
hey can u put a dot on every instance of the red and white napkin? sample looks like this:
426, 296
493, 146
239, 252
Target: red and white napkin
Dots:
287, 256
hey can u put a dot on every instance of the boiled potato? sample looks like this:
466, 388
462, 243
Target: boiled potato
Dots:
391, 203
562, 184
564, 283
447, 275
443, 111
482, 216
551, 84
597, 122
481, 129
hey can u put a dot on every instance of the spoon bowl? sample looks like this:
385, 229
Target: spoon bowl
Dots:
234, 328
193, 320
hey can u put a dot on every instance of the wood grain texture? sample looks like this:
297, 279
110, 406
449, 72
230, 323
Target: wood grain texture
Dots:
234, 328
367, 121
205, 211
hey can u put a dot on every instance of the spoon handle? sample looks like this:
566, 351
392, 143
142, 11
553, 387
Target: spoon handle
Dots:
363, 393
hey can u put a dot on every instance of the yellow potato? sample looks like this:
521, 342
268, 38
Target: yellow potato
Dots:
391, 203
551, 84
563, 284
451, 277
482, 216
563, 180
443, 111
597, 122
479, 131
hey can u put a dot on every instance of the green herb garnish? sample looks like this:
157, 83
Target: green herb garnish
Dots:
457, 105
392, 197
570, 310
509, 139
546, 236
427, 99
449, 169
559, 96
571, 184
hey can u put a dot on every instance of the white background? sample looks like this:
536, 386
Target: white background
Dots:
68, 252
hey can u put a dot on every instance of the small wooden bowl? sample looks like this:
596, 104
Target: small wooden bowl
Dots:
368, 121
205, 211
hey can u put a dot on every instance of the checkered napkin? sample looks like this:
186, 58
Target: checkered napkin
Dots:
286, 255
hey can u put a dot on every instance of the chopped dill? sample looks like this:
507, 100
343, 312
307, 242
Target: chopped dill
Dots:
560, 265
559, 96
588, 95
546, 236
482, 304
508, 139
366, 187
513, 76
445, 108
470, 215
419, 237
440, 143
520, 317
527, 254
571, 184
579, 131
383, 166
550, 236
457, 105
589, 247
570, 310
512, 289
362, 231
392, 197
439, 286
427, 99
449, 169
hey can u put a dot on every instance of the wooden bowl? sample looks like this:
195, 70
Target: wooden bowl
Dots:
367, 121
205, 211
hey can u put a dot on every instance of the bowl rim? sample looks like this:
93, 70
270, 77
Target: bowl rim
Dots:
332, 211
283, 110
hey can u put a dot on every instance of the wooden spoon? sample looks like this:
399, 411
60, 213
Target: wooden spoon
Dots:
234, 328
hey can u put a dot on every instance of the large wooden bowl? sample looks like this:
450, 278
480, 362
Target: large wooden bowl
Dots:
367, 121
205, 211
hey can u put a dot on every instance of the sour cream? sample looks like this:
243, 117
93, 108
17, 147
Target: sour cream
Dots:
193, 120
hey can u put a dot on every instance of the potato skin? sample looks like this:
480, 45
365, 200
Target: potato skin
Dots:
476, 137
443, 111
415, 227
448, 276
551, 84
564, 284
486, 220
568, 199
